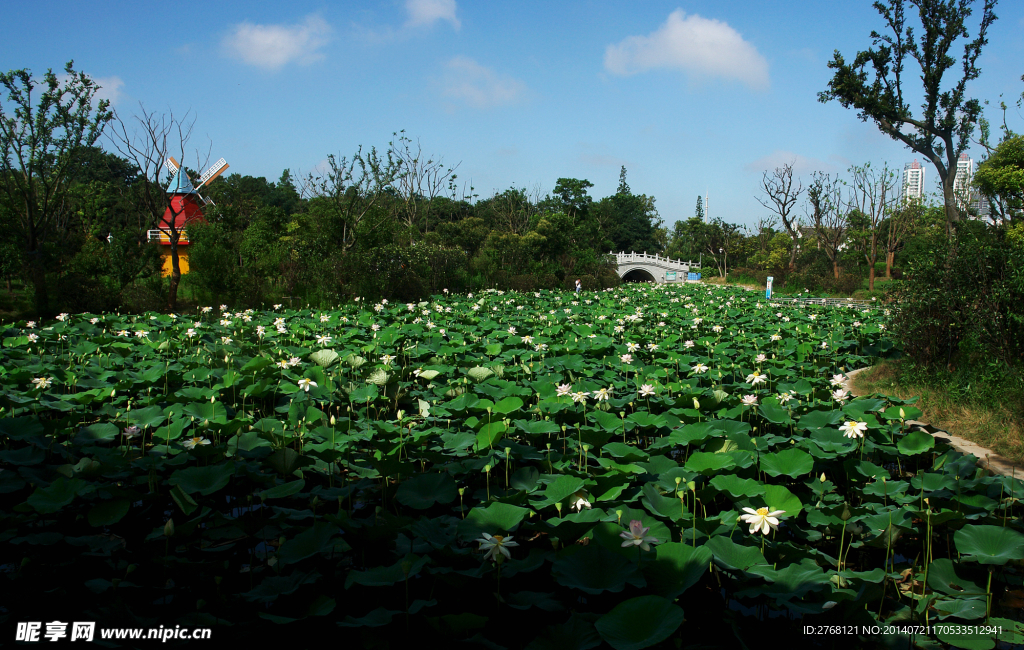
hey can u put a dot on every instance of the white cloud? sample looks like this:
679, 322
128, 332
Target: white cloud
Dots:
273, 46
802, 165
480, 86
427, 12
109, 87
699, 46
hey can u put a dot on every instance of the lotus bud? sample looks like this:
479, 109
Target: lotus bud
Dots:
823, 477
618, 513
212, 398
169, 528
487, 468
846, 512
679, 480
332, 421
903, 415
558, 507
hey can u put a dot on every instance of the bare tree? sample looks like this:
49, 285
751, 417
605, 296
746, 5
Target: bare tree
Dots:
901, 222
828, 213
512, 210
781, 197
765, 230
873, 193
149, 142
355, 187
420, 182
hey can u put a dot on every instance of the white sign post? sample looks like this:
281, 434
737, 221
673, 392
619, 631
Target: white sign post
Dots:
768, 291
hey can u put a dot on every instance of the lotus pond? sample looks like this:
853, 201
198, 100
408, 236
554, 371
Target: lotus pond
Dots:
671, 466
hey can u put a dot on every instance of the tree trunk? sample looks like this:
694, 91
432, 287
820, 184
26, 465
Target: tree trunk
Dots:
889, 255
792, 256
835, 267
37, 275
42, 298
172, 294
872, 260
949, 197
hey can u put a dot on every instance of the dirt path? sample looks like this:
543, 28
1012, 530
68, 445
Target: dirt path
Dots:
987, 458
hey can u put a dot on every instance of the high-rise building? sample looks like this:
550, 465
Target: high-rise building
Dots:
964, 177
913, 181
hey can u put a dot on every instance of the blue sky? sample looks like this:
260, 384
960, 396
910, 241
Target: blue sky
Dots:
692, 97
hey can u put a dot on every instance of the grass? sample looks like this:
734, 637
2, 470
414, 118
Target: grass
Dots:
990, 414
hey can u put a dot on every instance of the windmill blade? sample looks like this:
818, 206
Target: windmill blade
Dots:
172, 165
213, 172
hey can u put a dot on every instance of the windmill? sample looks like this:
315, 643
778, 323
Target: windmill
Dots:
181, 183
184, 205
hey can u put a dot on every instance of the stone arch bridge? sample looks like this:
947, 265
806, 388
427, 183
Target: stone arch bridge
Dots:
641, 267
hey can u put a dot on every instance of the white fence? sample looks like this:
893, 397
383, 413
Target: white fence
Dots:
655, 260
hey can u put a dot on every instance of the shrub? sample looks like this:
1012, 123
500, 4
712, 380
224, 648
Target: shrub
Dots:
960, 300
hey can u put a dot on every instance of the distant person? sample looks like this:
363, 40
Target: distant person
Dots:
579, 286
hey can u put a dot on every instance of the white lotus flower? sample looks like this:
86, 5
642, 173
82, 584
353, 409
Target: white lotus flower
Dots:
756, 378
699, 368
603, 394
761, 519
854, 429
42, 382
581, 501
496, 545
626, 359
749, 400
646, 390
192, 443
563, 390
305, 384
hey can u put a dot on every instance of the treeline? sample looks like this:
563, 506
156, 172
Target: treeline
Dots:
394, 225
389, 224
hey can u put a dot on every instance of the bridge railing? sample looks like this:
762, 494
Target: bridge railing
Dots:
656, 260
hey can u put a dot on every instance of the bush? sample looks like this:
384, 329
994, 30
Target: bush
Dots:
140, 297
960, 301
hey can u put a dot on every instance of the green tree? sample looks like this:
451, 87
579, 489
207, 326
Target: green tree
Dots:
1001, 177
699, 214
628, 220
944, 128
40, 145
571, 197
